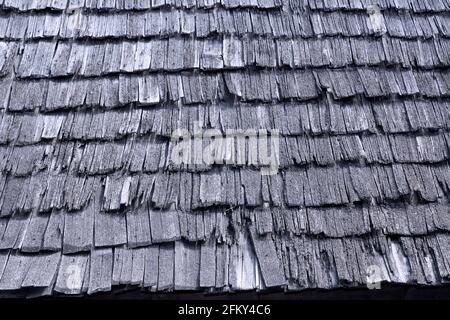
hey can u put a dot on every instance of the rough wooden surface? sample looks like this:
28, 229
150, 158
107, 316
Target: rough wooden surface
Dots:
92, 91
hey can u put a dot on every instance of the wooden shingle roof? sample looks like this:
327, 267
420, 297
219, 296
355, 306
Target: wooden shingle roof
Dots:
92, 91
